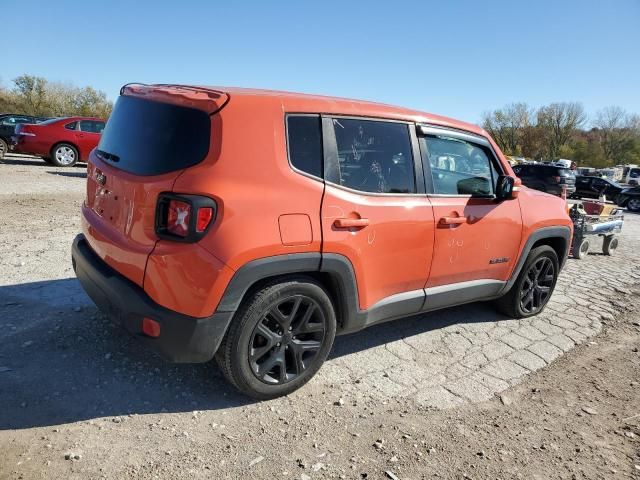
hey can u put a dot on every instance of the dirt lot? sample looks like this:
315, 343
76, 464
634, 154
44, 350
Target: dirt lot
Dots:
463, 393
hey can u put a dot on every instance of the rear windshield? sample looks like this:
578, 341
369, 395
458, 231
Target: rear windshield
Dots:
144, 137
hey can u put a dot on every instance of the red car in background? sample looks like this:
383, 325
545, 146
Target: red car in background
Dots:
60, 141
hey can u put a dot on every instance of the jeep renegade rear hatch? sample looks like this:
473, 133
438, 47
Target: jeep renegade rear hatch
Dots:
153, 134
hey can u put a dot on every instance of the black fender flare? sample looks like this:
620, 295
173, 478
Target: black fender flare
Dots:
562, 232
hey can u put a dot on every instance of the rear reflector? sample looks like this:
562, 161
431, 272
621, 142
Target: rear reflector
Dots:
150, 327
205, 214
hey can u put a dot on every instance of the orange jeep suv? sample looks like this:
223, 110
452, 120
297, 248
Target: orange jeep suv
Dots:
254, 226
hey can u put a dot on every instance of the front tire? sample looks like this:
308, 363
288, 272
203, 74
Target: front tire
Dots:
278, 339
64, 155
534, 285
580, 250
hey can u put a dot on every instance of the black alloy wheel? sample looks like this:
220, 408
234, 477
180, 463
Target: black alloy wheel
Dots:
279, 338
537, 286
287, 339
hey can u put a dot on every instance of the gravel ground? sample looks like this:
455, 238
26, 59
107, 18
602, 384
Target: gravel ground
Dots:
459, 392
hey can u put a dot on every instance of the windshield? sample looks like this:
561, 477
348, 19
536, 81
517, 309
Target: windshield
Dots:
145, 137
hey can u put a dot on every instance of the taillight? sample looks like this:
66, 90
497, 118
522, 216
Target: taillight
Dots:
178, 218
557, 179
21, 129
184, 218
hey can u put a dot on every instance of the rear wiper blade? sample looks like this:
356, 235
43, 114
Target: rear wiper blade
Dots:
107, 156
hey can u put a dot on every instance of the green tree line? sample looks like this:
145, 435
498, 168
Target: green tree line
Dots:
34, 95
559, 130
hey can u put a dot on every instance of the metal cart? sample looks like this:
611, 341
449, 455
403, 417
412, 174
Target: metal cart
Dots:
586, 226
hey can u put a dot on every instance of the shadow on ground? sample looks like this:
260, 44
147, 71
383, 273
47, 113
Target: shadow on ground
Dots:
69, 174
61, 361
33, 161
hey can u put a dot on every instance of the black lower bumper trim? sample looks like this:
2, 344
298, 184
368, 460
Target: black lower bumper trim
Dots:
182, 339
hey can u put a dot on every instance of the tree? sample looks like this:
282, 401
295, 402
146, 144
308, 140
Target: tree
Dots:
618, 132
558, 122
507, 126
31, 94
36, 96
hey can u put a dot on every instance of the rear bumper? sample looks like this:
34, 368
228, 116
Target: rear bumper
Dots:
182, 338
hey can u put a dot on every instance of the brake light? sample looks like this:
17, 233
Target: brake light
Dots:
184, 218
557, 179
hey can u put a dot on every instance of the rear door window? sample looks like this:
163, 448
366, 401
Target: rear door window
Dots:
71, 126
146, 137
374, 156
91, 126
304, 136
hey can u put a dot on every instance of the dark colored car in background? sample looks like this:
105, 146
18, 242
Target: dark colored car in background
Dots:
593, 187
60, 141
8, 123
629, 198
552, 179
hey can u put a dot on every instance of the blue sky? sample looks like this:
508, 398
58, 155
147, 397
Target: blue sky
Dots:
456, 58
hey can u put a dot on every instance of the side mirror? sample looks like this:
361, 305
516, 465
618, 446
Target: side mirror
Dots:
506, 187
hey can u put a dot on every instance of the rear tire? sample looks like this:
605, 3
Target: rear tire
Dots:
4, 148
64, 155
534, 286
633, 204
610, 244
278, 339
581, 249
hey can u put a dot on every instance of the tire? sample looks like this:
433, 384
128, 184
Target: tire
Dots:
610, 244
581, 249
64, 155
533, 287
4, 148
633, 204
278, 339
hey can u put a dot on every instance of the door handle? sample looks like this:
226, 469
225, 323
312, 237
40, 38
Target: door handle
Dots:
351, 222
453, 220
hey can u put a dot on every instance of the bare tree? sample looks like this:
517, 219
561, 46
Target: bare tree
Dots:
617, 130
31, 93
558, 123
508, 125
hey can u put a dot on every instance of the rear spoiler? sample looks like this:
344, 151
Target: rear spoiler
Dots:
202, 98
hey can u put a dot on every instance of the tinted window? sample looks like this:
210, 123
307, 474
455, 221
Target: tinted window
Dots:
459, 167
305, 143
145, 137
70, 126
374, 156
91, 126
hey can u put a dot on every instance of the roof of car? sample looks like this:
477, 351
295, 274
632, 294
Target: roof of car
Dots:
326, 104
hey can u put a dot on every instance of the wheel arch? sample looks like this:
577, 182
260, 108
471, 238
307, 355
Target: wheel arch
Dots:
558, 238
333, 272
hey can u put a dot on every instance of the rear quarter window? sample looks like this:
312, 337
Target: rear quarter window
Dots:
304, 140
